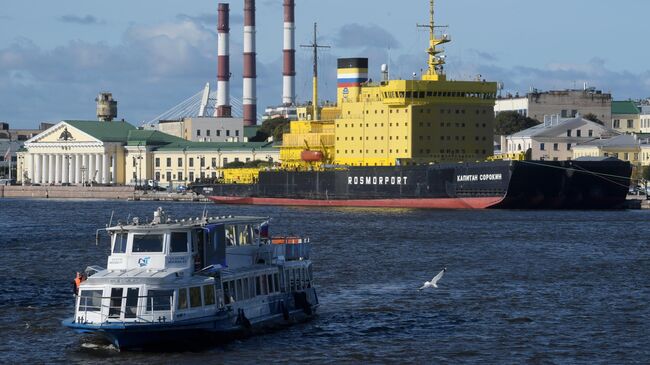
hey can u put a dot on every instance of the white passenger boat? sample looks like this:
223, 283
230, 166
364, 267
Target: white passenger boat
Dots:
210, 278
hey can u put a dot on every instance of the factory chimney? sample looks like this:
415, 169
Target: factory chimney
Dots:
249, 99
223, 72
289, 55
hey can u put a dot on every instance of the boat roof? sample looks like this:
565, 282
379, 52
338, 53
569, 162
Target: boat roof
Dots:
167, 223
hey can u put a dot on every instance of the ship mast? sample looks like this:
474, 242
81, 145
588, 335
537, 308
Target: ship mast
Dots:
435, 72
315, 46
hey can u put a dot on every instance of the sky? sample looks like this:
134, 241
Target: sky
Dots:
56, 56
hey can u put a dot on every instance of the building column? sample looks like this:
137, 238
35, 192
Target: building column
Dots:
57, 169
44, 166
85, 172
105, 168
114, 171
91, 167
37, 168
99, 167
30, 167
70, 169
77, 168
64, 169
52, 169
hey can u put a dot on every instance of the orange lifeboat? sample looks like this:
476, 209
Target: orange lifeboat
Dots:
311, 156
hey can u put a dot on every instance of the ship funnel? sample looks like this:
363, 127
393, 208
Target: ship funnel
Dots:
351, 74
250, 85
223, 73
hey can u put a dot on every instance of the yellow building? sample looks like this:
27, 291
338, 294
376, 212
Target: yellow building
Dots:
396, 122
626, 147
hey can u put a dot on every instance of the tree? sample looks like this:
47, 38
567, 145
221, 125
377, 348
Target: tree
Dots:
592, 117
275, 127
512, 122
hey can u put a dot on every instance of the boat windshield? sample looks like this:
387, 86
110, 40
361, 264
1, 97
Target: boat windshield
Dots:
119, 245
148, 243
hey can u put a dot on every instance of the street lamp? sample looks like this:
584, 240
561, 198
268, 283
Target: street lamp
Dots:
253, 154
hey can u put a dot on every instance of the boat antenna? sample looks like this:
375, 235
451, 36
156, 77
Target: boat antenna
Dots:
315, 47
436, 63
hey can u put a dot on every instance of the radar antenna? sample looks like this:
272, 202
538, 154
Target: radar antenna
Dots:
315, 46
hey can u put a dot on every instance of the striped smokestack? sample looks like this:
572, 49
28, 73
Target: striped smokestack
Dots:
223, 73
249, 99
289, 55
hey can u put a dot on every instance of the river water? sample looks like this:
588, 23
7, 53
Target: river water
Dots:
521, 287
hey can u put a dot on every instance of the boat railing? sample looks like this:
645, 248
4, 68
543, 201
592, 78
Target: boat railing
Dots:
291, 247
149, 309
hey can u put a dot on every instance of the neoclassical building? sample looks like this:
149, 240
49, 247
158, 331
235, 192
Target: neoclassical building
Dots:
117, 153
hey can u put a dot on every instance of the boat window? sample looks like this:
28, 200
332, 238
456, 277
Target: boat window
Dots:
258, 286
148, 243
265, 288
208, 294
195, 296
160, 299
245, 235
119, 246
276, 282
226, 293
238, 290
247, 290
230, 235
178, 242
115, 306
269, 283
182, 298
131, 307
90, 301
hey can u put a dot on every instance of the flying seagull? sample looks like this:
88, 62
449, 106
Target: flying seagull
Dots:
434, 282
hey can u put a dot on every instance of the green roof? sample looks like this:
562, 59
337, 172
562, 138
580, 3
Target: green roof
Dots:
624, 107
104, 131
213, 146
151, 138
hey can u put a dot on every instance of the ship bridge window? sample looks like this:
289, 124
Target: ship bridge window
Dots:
148, 243
208, 294
195, 296
160, 299
90, 301
178, 242
182, 298
119, 245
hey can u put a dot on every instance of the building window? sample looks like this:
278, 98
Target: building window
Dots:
191, 162
555, 147
218, 133
630, 123
169, 176
191, 175
157, 161
225, 161
591, 133
202, 161
227, 132
180, 162
198, 133
626, 156
207, 133
180, 176
568, 146
214, 162
157, 175
616, 124
237, 133
568, 133
169, 162
578, 133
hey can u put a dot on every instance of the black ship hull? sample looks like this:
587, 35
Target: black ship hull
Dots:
499, 184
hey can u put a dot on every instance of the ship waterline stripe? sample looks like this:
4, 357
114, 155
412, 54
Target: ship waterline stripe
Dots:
442, 203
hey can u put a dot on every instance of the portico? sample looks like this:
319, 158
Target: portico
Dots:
76, 153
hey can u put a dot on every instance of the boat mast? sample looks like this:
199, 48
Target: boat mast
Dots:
315, 47
436, 63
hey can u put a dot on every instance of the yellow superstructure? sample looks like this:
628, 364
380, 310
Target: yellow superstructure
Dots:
398, 122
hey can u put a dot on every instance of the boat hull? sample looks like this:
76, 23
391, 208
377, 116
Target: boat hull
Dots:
222, 327
499, 184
